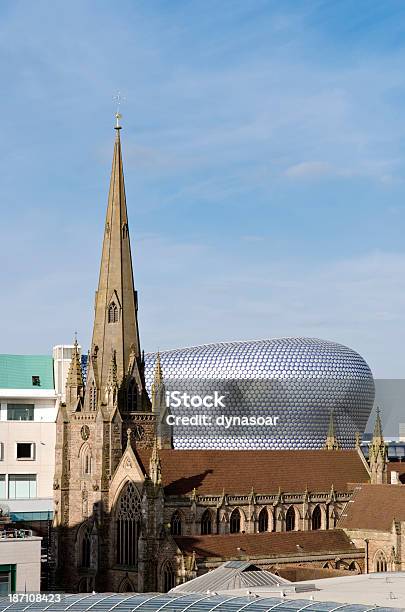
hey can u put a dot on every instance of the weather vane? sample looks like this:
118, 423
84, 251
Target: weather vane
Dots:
118, 99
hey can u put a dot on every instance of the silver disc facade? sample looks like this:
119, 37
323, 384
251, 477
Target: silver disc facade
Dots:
300, 381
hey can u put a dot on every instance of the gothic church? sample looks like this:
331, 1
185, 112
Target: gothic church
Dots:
132, 513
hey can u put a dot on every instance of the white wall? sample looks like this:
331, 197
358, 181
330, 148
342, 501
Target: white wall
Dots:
62, 355
26, 554
41, 431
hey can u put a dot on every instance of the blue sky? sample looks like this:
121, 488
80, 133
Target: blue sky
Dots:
264, 151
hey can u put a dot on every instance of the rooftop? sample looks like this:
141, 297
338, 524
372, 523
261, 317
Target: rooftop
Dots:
26, 372
255, 545
374, 507
210, 471
231, 575
192, 602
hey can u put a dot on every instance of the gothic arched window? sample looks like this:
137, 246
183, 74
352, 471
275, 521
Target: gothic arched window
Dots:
113, 313
175, 524
86, 585
128, 526
85, 459
380, 562
126, 586
206, 523
234, 521
85, 549
87, 464
290, 519
263, 520
132, 393
168, 577
316, 518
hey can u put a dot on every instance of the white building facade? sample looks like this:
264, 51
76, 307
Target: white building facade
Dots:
31, 387
20, 562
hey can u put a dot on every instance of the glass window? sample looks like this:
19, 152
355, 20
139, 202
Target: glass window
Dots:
25, 450
20, 412
67, 353
3, 486
22, 486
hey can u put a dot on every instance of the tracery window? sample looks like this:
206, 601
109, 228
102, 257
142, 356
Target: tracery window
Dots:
169, 577
132, 393
206, 523
290, 519
85, 549
85, 459
380, 562
113, 313
128, 526
234, 522
263, 520
175, 524
316, 518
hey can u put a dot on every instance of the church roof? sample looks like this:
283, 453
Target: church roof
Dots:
374, 507
277, 544
21, 372
231, 575
236, 472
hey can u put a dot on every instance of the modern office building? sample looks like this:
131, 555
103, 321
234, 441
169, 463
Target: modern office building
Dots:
27, 435
31, 387
289, 387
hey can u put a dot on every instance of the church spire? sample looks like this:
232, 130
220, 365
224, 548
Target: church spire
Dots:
377, 453
74, 379
378, 435
75, 374
115, 320
331, 439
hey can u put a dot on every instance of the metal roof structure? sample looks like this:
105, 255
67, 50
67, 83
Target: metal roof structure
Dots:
17, 372
231, 575
170, 602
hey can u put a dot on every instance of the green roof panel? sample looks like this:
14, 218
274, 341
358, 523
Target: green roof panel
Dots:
22, 372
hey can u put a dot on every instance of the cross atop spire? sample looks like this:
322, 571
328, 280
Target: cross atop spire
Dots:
119, 99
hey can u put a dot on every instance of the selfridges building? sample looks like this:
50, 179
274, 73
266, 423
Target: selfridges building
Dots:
281, 393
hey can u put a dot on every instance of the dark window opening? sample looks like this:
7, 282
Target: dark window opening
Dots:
175, 524
128, 526
206, 523
263, 520
234, 523
113, 313
85, 550
36, 381
290, 519
169, 578
25, 450
316, 518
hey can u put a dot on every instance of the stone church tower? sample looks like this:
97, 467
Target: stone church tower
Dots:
106, 509
378, 454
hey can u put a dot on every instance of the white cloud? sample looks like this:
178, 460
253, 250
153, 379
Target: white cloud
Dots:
309, 169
